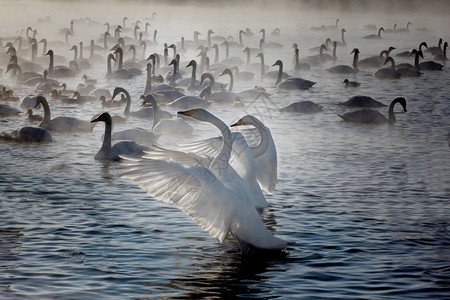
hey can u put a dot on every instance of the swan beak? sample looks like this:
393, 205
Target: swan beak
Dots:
237, 123
187, 112
95, 120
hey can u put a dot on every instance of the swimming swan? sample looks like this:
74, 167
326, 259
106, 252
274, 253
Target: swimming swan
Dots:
61, 124
107, 152
215, 201
291, 83
370, 116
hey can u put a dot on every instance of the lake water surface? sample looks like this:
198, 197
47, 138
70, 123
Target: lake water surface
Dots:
365, 208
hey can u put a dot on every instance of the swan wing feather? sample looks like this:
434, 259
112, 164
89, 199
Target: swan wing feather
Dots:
195, 190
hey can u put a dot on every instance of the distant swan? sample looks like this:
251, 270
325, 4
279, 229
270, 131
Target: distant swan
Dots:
61, 124
291, 83
370, 116
362, 101
28, 135
374, 36
107, 152
306, 107
344, 69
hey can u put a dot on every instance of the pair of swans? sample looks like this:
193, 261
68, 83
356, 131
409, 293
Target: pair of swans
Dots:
215, 197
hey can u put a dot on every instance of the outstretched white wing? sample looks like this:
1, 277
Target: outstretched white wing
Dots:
195, 190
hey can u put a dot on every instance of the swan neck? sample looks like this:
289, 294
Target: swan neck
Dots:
261, 148
126, 112
50, 65
263, 70
391, 117
220, 162
355, 61
47, 115
231, 82
148, 82
106, 146
156, 113
216, 55
280, 74
193, 77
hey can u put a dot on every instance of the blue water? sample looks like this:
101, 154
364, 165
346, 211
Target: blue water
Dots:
365, 208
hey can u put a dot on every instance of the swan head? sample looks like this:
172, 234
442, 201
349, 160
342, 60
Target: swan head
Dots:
49, 52
117, 91
206, 76
355, 50
226, 72
149, 99
196, 113
40, 99
346, 81
173, 62
111, 56
105, 117
192, 63
278, 63
259, 55
402, 102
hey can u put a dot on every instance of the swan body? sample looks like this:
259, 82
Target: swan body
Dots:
61, 124
217, 202
388, 73
107, 152
370, 116
28, 135
362, 101
374, 36
8, 111
306, 107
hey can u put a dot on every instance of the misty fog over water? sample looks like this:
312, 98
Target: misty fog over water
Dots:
364, 208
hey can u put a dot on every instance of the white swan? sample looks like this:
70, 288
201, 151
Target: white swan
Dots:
220, 96
107, 152
61, 124
175, 127
189, 102
215, 201
291, 83
370, 116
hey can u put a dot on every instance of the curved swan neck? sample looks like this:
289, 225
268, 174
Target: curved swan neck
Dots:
126, 112
231, 81
391, 118
280, 73
47, 115
221, 160
261, 148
